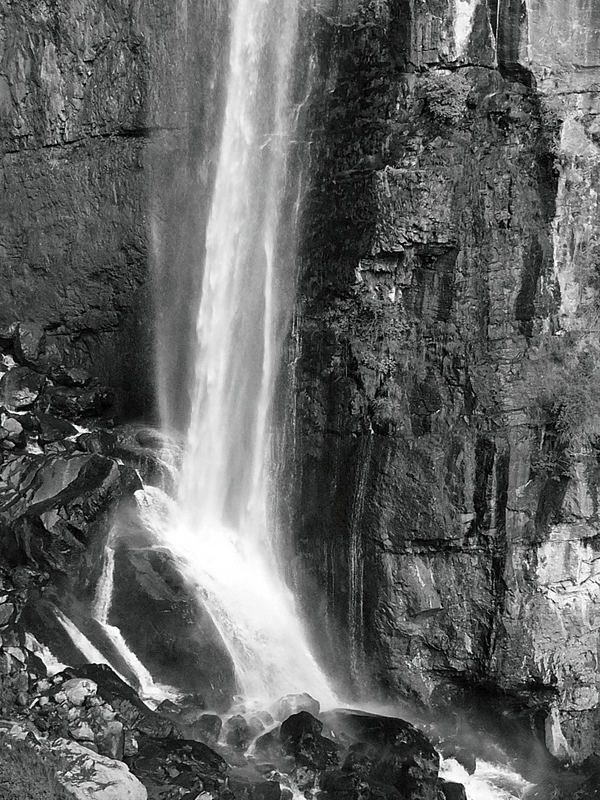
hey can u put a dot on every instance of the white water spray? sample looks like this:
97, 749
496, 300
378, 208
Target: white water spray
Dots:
220, 529
489, 782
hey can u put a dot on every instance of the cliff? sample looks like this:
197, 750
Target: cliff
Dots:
97, 101
445, 356
447, 352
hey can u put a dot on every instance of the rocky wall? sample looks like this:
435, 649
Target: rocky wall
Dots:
88, 94
447, 358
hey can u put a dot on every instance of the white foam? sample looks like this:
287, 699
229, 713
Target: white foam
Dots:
489, 782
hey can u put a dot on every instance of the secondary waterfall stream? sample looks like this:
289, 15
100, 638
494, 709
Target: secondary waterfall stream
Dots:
221, 528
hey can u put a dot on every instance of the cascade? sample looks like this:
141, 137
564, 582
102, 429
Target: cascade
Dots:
221, 527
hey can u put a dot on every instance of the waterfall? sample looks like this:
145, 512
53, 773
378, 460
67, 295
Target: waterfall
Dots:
221, 529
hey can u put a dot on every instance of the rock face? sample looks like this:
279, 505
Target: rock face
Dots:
446, 376
95, 108
447, 356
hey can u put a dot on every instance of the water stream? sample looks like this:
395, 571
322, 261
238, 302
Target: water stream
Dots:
221, 527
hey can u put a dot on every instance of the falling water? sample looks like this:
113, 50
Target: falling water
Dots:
102, 604
221, 527
356, 559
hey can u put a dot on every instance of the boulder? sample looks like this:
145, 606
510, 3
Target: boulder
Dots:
294, 728
453, 791
70, 376
293, 703
111, 739
76, 403
29, 344
268, 790
6, 612
98, 441
82, 731
466, 758
301, 738
268, 747
123, 699
385, 752
20, 388
78, 690
54, 429
175, 765
208, 726
14, 431
237, 733
93, 776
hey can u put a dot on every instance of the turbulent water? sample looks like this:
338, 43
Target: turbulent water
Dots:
221, 527
489, 782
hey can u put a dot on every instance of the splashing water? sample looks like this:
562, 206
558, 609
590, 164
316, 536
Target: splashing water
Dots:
148, 689
489, 782
90, 652
220, 528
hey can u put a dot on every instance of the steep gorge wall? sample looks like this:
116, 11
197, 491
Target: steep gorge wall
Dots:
448, 356
95, 116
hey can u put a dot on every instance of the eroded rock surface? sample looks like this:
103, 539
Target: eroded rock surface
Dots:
447, 356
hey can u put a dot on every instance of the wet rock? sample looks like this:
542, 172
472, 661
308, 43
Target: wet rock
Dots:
167, 707
183, 646
70, 376
28, 344
237, 733
385, 752
301, 738
464, 757
269, 790
60, 448
270, 748
75, 403
174, 765
29, 420
453, 791
6, 612
98, 441
207, 726
78, 690
54, 429
20, 388
293, 703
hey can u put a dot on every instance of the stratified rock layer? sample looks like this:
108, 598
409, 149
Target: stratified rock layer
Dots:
447, 357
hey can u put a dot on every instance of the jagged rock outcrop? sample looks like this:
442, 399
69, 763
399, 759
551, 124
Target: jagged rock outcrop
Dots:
447, 362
